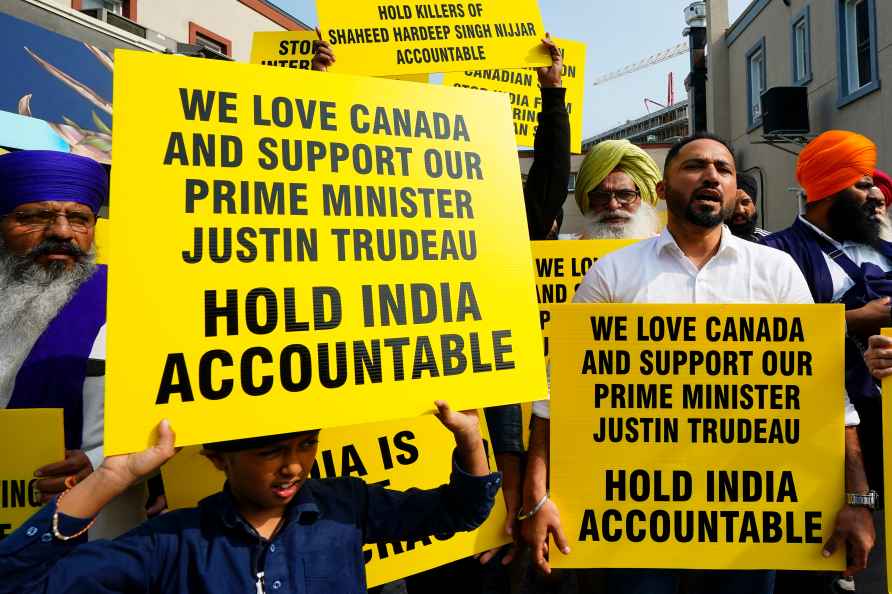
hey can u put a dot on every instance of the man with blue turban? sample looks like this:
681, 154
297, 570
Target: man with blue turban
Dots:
52, 301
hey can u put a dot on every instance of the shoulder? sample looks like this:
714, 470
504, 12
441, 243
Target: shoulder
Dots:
766, 254
340, 497
629, 253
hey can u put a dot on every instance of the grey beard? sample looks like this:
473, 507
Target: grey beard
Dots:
643, 224
30, 297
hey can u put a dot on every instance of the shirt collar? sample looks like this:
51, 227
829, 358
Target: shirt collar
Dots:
727, 244
303, 509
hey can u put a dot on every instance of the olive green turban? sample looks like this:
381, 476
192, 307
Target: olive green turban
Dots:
610, 155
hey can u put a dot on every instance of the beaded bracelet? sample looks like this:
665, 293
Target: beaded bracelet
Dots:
70, 482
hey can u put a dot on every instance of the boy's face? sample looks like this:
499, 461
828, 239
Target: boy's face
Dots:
269, 477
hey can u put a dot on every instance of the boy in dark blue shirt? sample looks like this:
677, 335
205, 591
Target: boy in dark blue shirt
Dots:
271, 529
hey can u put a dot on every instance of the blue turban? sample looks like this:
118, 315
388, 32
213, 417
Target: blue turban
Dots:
38, 176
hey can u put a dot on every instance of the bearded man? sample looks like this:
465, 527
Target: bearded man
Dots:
742, 221
616, 192
837, 245
52, 302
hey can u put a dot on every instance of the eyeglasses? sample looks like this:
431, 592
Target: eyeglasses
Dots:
36, 220
601, 198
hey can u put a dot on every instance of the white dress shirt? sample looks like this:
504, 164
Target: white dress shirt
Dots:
656, 270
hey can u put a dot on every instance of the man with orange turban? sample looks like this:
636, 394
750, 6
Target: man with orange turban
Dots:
837, 245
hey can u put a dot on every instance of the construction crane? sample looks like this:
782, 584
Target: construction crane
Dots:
678, 50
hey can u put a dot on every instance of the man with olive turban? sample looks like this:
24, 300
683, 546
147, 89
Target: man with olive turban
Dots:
616, 192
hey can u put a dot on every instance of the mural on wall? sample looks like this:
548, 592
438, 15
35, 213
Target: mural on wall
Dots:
54, 78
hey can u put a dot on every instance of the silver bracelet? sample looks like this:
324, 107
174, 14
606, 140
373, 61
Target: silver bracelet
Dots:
522, 515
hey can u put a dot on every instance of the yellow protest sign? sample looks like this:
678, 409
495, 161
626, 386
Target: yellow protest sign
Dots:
100, 240
294, 49
30, 438
698, 436
402, 454
522, 87
887, 455
286, 49
372, 38
560, 267
337, 250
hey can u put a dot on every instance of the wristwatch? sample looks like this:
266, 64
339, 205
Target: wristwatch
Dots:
868, 500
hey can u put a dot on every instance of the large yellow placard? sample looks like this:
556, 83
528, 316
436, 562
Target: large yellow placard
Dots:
522, 87
294, 49
30, 438
698, 436
376, 38
286, 49
401, 454
327, 250
887, 456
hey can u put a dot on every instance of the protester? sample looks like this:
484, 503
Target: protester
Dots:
616, 192
504, 422
697, 260
271, 528
52, 310
743, 219
883, 184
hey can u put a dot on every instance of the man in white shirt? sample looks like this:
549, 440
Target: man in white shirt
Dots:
695, 259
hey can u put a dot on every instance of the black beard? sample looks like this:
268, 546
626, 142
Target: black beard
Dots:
744, 229
707, 220
850, 221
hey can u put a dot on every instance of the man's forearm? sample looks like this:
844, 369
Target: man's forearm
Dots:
536, 477
856, 478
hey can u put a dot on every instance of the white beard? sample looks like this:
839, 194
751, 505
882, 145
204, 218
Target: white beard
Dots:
641, 225
28, 303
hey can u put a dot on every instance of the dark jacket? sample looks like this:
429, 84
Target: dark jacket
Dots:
212, 550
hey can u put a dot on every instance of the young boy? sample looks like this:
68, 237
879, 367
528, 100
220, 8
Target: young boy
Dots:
271, 530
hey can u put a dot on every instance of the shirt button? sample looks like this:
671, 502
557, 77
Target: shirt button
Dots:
46, 537
277, 584
272, 548
31, 531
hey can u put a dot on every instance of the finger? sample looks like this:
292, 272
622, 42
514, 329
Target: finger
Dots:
879, 342
858, 561
837, 538
487, 556
84, 473
509, 556
51, 486
539, 558
324, 50
158, 506
559, 539
61, 468
443, 411
166, 438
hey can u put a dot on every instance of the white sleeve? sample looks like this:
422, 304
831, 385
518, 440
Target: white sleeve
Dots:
792, 285
594, 287
542, 408
852, 417
94, 404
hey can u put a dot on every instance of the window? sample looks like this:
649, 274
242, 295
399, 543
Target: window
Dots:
858, 68
571, 183
124, 8
755, 82
801, 44
206, 38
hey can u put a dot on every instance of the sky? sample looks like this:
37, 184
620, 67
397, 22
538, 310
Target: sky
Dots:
617, 34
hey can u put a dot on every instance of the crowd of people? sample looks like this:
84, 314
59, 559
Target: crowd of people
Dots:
274, 529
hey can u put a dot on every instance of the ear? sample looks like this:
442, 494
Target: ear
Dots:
661, 189
216, 459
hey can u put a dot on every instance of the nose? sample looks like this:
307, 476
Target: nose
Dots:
60, 228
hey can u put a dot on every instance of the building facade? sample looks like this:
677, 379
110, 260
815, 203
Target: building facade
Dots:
839, 50
660, 127
222, 28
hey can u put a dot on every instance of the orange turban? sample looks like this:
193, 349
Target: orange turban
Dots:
834, 161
